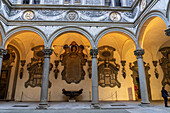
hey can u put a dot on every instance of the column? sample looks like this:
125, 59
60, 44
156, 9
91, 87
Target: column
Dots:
142, 77
2, 52
45, 80
95, 95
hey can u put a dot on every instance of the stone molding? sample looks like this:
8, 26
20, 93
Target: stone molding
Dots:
94, 53
139, 53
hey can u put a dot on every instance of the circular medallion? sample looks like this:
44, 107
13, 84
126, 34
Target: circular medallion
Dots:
28, 15
115, 17
143, 5
72, 16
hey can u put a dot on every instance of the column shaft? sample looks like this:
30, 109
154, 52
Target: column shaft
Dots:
95, 95
45, 80
142, 77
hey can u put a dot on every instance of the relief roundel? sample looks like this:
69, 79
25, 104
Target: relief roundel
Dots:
72, 16
115, 17
28, 15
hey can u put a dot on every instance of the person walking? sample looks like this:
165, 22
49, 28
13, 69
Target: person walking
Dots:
165, 95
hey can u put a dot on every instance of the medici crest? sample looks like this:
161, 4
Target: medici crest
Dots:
73, 60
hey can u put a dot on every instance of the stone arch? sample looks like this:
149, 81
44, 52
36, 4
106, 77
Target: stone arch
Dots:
17, 30
148, 18
2, 34
121, 30
168, 11
71, 29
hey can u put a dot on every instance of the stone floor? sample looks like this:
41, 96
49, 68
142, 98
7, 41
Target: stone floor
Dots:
84, 107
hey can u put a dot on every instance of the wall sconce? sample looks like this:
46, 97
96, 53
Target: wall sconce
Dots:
22, 69
123, 62
56, 71
156, 71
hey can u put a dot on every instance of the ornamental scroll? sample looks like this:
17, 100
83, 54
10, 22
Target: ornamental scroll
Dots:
73, 60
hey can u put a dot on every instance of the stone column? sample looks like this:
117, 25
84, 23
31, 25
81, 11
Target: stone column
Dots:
45, 80
2, 53
95, 95
142, 77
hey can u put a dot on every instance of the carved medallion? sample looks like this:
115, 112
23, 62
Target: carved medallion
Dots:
72, 16
115, 17
143, 5
28, 15
73, 60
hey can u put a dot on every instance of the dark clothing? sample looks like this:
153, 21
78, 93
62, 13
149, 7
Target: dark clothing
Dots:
165, 96
166, 102
164, 93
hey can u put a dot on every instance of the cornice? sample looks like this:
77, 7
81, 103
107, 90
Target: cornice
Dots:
73, 7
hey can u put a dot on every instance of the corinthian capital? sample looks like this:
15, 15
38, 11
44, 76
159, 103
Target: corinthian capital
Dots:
139, 53
94, 52
3, 52
167, 32
47, 52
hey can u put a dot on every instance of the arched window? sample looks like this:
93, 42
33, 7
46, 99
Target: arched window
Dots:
26, 1
107, 2
67, 1
36, 2
117, 3
77, 2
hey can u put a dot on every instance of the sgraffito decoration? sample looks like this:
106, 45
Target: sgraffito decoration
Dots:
108, 69
35, 68
164, 62
73, 60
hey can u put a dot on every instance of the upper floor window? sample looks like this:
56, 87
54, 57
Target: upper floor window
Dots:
36, 2
67, 1
26, 1
77, 2
117, 3
107, 2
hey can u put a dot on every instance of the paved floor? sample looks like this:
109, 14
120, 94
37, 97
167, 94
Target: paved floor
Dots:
83, 107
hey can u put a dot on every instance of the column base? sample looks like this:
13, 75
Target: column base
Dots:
43, 106
95, 106
145, 104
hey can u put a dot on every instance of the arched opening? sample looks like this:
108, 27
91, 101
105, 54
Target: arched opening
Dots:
72, 71
115, 53
151, 38
26, 61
